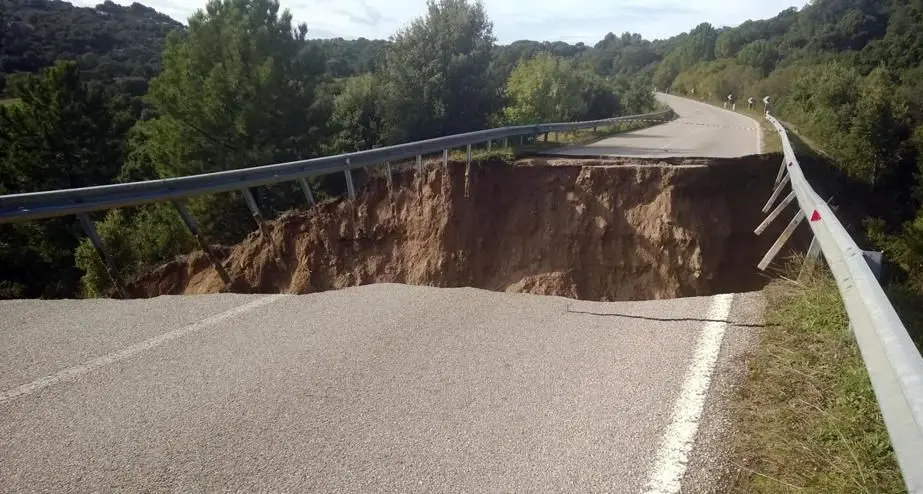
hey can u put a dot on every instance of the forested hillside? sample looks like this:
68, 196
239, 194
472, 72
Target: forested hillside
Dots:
109, 43
242, 85
847, 75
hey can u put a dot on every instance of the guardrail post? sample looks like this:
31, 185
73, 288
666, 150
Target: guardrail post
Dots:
469, 153
420, 163
781, 172
776, 193
506, 142
777, 246
388, 170
775, 213
489, 144
445, 158
545, 137
90, 229
261, 224
522, 140
350, 188
306, 188
193, 227
810, 260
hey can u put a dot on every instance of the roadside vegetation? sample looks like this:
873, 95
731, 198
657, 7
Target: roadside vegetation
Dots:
807, 418
178, 102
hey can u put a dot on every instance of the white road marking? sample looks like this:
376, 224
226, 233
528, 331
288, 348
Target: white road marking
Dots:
673, 456
91, 365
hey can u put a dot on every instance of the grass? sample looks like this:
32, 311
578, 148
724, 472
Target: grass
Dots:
4, 102
807, 419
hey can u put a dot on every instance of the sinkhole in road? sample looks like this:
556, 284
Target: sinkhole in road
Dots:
603, 229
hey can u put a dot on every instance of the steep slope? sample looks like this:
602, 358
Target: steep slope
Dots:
614, 230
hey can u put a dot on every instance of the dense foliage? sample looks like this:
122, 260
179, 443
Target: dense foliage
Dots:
243, 86
119, 45
846, 74
62, 134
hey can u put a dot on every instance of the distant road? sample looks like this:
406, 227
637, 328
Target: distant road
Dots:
701, 130
380, 388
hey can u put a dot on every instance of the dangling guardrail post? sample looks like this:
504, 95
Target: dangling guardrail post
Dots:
193, 227
261, 224
777, 246
306, 188
810, 260
775, 213
776, 193
469, 154
445, 158
350, 188
781, 172
420, 163
90, 229
388, 170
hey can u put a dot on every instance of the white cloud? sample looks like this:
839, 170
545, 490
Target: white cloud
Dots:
552, 20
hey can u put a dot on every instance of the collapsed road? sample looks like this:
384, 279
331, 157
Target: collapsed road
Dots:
456, 333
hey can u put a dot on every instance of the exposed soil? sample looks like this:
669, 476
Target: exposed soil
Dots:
588, 229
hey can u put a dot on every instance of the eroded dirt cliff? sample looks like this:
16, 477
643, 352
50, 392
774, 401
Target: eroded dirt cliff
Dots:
599, 230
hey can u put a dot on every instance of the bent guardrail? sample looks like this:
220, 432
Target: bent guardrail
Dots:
894, 365
82, 201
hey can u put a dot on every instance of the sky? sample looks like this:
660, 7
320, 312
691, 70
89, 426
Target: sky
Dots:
542, 20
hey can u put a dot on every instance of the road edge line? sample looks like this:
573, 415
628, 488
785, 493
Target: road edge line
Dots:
672, 457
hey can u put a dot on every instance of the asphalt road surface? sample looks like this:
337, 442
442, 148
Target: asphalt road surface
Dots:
377, 388
701, 130
382, 388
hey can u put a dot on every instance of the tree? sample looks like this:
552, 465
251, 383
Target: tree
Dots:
544, 89
760, 55
728, 43
666, 72
437, 75
878, 131
698, 46
237, 91
636, 96
357, 115
61, 134
108, 41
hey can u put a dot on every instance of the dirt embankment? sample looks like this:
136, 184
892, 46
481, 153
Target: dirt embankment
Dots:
600, 230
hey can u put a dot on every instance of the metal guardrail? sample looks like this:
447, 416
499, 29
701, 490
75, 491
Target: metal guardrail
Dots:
82, 201
37, 205
894, 364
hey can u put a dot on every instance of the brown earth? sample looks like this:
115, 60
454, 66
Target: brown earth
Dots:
587, 229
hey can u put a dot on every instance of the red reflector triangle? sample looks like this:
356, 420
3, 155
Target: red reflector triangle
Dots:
815, 216
789, 163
